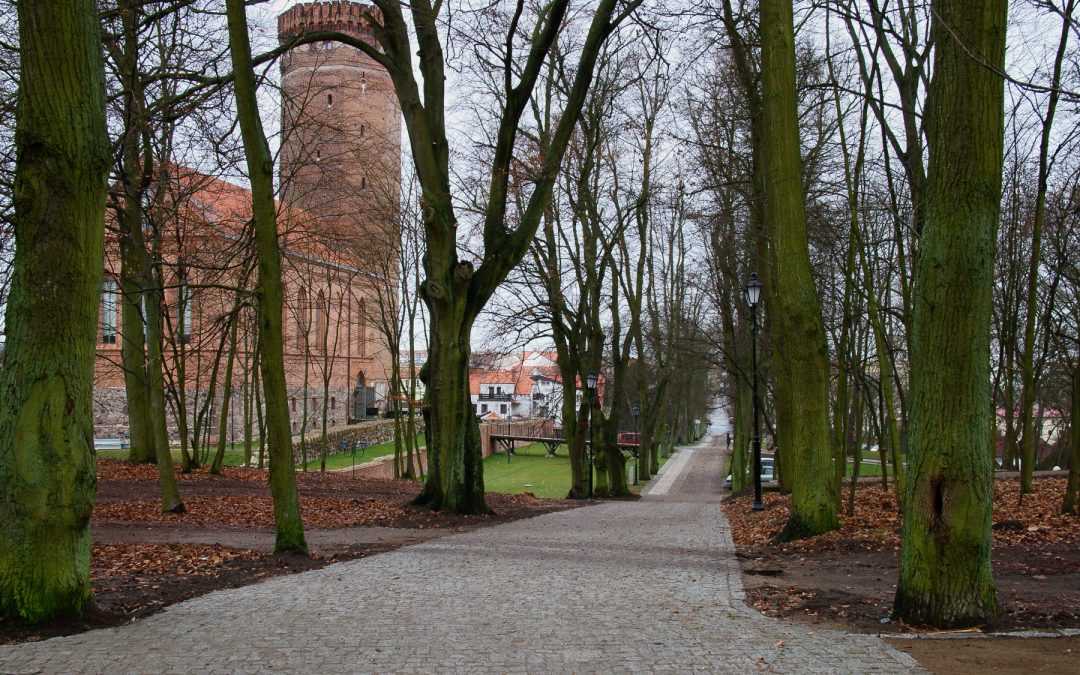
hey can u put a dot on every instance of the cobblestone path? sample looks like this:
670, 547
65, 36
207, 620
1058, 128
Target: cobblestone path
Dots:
617, 587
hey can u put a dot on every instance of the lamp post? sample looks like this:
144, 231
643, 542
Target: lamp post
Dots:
590, 386
753, 295
637, 430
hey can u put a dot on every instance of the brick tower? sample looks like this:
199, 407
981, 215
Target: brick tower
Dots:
341, 146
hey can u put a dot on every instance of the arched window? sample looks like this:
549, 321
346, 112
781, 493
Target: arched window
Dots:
322, 314
329, 101
302, 319
110, 304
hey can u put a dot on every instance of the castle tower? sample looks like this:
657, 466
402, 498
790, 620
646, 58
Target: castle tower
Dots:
341, 143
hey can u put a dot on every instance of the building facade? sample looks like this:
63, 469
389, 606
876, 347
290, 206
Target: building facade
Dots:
339, 176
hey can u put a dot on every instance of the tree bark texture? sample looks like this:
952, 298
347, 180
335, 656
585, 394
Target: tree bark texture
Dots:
1072, 489
47, 475
133, 278
799, 331
945, 577
268, 288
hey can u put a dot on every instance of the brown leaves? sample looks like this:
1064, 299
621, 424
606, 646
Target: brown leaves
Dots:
876, 524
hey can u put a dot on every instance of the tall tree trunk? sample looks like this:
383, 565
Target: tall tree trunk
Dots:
260, 165
1028, 434
135, 174
155, 378
1072, 489
799, 331
226, 393
945, 576
455, 478
47, 477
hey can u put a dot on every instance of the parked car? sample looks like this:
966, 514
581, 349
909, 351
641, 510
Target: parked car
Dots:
768, 472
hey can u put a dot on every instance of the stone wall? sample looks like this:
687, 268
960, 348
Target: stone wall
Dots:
343, 439
111, 421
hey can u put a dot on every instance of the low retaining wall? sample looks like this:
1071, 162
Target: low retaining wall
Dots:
383, 467
373, 431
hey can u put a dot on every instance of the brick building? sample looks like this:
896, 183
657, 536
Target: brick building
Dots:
339, 180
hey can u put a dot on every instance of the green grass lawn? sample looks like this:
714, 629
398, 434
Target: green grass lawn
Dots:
344, 461
531, 470
234, 454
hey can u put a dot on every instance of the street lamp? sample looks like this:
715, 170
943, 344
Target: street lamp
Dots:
590, 385
637, 429
753, 295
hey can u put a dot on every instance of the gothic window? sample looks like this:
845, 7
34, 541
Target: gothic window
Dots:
361, 131
329, 101
322, 314
302, 319
363, 182
109, 306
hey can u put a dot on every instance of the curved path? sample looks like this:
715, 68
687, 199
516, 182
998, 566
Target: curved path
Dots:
617, 587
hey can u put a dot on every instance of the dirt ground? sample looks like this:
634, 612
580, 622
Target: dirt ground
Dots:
143, 560
847, 579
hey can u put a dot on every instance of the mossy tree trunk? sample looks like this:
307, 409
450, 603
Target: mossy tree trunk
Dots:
47, 477
799, 333
135, 174
1072, 489
268, 288
945, 576
226, 391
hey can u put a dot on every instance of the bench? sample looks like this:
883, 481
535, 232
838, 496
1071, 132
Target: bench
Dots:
111, 444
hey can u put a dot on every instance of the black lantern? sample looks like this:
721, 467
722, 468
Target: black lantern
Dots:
753, 295
590, 385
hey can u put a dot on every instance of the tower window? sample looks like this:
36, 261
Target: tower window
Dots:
363, 182
363, 84
318, 156
329, 101
361, 131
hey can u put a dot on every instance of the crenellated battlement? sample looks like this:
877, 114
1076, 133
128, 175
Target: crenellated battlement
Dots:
340, 16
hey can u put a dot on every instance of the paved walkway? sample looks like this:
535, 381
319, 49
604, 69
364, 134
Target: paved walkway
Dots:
617, 587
